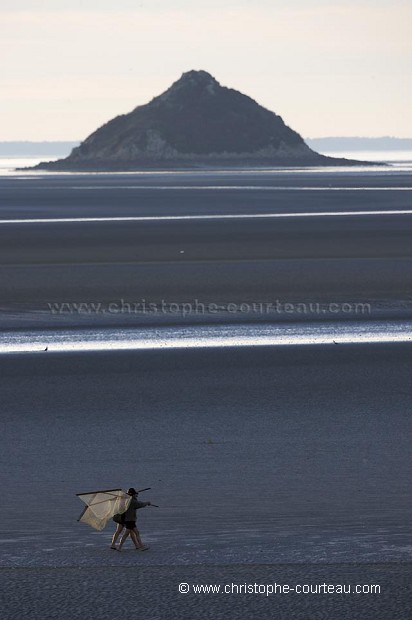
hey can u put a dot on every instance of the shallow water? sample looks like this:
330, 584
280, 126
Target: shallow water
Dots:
201, 336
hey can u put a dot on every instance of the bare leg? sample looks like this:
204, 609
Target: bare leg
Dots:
116, 535
140, 545
134, 539
125, 535
137, 538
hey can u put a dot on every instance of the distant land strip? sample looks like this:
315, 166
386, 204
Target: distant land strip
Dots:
29, 148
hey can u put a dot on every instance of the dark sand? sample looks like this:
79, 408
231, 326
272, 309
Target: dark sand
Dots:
287, 465
361, 258
258, 458
113, 593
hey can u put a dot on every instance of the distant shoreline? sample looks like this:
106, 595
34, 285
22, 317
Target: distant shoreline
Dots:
200, 164
61, 148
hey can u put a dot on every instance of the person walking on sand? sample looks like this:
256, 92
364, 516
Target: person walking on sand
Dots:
129, 522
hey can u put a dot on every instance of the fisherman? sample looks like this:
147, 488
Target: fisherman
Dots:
129, 522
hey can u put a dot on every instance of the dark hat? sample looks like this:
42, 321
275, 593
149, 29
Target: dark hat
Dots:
132, 491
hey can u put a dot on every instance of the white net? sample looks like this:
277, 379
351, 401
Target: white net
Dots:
102, 506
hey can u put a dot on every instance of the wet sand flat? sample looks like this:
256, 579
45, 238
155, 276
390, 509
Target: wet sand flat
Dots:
269, 465
238, 444
95, 593
352, 252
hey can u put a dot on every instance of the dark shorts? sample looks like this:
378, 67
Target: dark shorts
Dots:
118, 519
130, 525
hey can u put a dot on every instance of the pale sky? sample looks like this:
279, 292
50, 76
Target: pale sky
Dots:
327, 67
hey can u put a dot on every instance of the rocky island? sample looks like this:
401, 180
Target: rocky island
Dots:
194, 123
